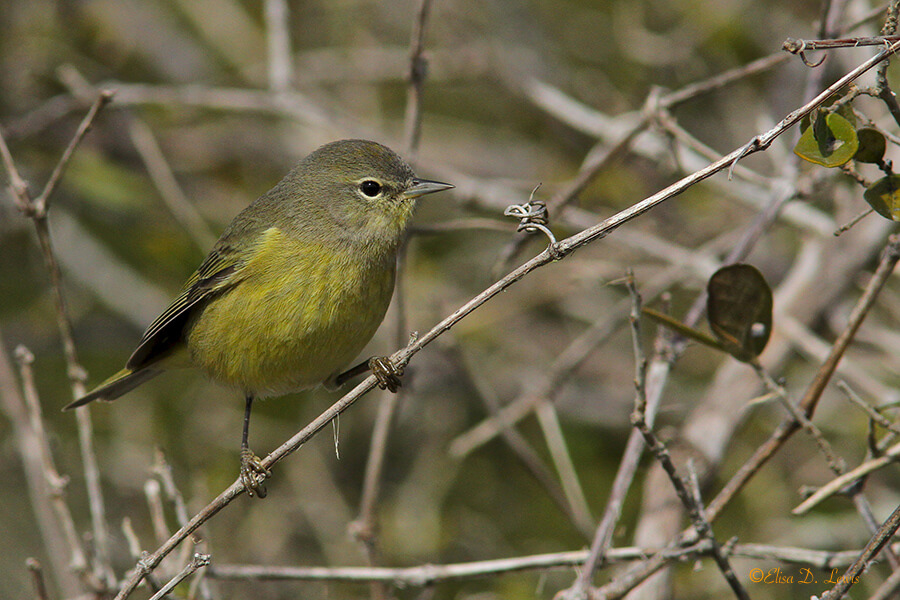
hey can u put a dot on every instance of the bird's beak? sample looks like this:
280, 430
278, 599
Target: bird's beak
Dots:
420, 187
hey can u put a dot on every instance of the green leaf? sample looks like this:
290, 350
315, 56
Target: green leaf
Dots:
831, 141
884, 197
871, 145
739, 309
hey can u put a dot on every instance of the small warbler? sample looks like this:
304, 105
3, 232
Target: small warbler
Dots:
293, 289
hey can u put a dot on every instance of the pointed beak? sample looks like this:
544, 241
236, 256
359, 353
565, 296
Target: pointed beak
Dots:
420, 187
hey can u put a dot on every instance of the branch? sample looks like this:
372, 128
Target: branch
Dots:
418, 69
197, 561
851, 575
426, 575
850, 477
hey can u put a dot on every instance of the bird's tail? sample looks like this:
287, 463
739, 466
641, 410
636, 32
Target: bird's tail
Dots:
122, 382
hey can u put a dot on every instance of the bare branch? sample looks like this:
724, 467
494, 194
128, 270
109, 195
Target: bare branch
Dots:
198, 561
37, 578
418, 69
851, 575
849, 478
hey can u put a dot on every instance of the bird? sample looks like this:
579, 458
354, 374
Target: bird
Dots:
294, 288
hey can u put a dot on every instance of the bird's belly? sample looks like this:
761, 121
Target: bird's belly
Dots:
290, 332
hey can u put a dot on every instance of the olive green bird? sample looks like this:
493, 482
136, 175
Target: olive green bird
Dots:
293, 289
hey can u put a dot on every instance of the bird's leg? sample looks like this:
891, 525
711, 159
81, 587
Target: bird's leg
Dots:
252, 472
382, 368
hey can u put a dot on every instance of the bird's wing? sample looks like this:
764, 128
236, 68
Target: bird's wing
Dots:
218, 272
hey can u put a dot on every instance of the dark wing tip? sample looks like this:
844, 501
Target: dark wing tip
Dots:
80, 402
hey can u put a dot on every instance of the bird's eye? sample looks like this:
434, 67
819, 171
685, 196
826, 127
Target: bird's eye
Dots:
370, 188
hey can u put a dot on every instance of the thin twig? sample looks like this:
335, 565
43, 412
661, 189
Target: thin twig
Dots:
849, 478
163, 470
719, 554
835, 463
425, 575
365, 527
872, 413
37, 578
55, 483
169, 190
21, 193
657, 373
198, 561
888, 588
157, 513
851, 575
856, 219
551, 428
419, 576
131, 539
795, 46
290, 104
418, 69
42, 116
41, 203
136, 553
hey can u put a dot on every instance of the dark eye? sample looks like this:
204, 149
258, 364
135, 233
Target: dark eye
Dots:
370, 188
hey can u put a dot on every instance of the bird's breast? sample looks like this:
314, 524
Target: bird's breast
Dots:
299, 312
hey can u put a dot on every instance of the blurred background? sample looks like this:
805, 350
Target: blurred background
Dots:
518, 94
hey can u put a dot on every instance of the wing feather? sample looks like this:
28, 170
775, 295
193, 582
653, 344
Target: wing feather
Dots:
218, 273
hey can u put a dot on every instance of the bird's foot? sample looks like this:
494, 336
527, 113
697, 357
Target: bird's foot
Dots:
253, 473
384, 371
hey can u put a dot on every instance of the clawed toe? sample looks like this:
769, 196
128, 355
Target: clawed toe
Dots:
384, 371
253, 474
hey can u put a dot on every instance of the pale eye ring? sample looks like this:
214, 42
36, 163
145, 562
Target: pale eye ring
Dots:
370, 188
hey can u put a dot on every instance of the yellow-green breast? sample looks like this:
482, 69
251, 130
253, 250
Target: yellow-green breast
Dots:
303, 312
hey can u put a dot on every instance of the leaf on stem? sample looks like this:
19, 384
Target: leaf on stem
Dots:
831, 141
884, 197
739, 308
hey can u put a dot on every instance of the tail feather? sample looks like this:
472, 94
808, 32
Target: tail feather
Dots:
122, 382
